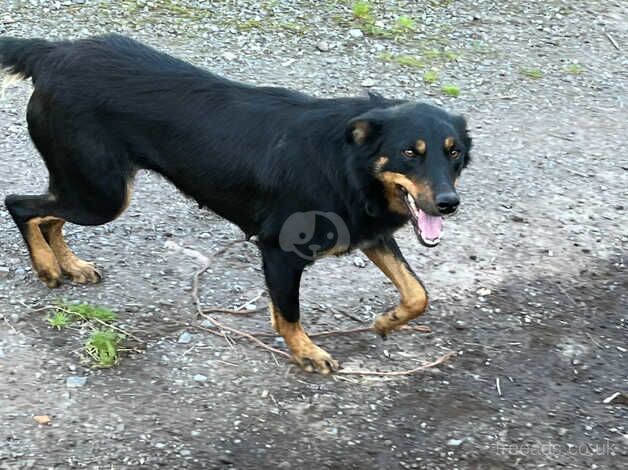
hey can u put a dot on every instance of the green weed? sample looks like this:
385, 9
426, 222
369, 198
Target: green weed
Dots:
59, 320
404, 60
102, 347
88, 312
574, 69
451, 90
430, 76
534, 73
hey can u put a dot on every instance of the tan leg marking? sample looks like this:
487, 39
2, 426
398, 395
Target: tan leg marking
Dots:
72, 266
42, 257
413, 296
304, 352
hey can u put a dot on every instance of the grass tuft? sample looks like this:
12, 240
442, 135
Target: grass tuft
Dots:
574, 69
362, 11
88, 312
404, 60
59, 320
534, 73
451, 90
102, 347
430, 76
405, 23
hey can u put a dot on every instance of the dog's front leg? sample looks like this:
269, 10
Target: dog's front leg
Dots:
283, 276
387, 256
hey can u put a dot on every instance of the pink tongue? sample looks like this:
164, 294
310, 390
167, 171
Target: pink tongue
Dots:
430, 225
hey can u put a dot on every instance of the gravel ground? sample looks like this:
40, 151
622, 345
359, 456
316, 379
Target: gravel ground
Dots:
529, 283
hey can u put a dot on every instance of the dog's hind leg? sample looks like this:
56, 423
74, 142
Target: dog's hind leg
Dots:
44, 261
89, 177
71, 265
40, 220
387, 257
283, 275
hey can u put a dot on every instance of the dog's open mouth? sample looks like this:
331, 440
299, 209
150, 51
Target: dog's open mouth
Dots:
427, 227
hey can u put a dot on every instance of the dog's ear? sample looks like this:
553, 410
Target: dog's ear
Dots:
362, 130
463, 130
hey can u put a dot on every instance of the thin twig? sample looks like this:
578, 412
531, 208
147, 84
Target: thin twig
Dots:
613, 42
205, 263
499, 389
233, 311
6, 320
566, 294
246, 335
594, 341
399, 373
419, 328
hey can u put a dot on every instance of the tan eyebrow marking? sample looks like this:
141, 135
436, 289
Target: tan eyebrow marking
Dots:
421, 146
449, 143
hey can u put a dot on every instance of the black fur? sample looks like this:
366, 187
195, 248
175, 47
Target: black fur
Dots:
106, 106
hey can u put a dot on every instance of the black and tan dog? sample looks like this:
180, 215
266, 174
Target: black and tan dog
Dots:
307, 177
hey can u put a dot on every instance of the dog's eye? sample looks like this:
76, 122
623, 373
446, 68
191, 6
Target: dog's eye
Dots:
410, 153
454, 154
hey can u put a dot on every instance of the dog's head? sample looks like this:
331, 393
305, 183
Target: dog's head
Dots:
416, 152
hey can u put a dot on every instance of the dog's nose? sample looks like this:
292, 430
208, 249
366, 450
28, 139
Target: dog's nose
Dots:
447, 203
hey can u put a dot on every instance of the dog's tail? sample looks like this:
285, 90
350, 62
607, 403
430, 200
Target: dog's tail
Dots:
21, 58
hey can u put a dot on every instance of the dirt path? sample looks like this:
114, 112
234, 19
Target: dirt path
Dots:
529, 283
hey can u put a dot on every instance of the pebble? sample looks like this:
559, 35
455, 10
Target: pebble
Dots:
323, 46
75, 381
455, 442
356, 33
4, 272
184, 338
369, 82
200, 378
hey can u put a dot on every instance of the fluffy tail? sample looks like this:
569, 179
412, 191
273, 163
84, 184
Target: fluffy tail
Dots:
21, 56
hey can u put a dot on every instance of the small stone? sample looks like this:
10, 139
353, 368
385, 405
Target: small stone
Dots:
185, 338
562, 431
200, 378
368, 83
42, 419
230, 56
4, 272
483, 291
356, 33
323, 46
75, 381
359, 262
454, 442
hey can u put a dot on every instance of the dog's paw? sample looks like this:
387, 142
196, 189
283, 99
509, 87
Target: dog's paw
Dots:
81, 272
315, 359
48, 270
385, 323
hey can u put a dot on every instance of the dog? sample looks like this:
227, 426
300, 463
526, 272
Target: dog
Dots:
306, 177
